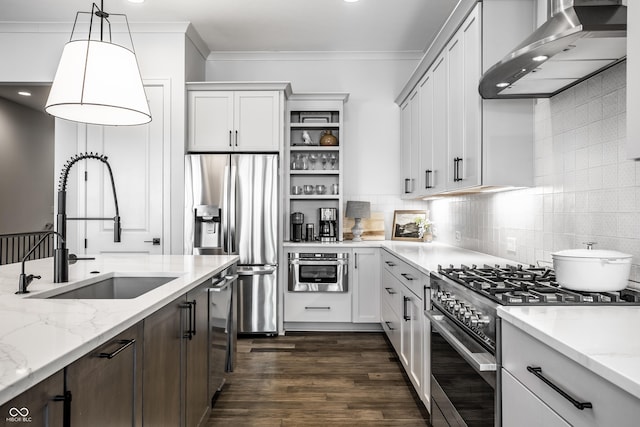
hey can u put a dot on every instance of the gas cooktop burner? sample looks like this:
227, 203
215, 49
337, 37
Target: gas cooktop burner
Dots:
530, 285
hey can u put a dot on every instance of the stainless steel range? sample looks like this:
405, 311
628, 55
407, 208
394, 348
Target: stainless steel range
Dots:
465, 336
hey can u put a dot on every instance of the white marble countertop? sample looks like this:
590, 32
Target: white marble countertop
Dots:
605, 340
38, 337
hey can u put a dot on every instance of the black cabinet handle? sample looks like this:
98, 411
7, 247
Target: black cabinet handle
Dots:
123, 345
456, 169
236, 138
190, 329
66, 408
356, 261
389, 291
405, 316
193, 316
407, 185
427, 179
407, 276
389, 326
229, 137
537, 371
317, 308
390, 264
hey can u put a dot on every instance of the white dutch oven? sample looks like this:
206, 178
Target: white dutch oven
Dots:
592, 270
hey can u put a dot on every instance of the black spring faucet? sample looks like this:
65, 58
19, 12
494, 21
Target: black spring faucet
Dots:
61, 253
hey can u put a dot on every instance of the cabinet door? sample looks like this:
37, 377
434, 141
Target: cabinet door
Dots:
411, 345
257, 123
163, 337
39, 406
405, 148
211, 122
425, 394
464, 127
366, 285
522, 408
197, 352
104, 383
440, 127
426, 172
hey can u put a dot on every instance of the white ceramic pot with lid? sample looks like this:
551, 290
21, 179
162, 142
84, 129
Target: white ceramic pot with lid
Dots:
592, 270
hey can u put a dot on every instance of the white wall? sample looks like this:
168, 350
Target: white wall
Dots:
26, 168
586, 189
372, 132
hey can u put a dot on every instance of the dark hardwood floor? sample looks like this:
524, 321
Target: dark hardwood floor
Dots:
318, 379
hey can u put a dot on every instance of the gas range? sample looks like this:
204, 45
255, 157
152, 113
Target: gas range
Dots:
469, 296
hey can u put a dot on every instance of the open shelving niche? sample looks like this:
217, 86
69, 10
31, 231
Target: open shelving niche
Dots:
319, 106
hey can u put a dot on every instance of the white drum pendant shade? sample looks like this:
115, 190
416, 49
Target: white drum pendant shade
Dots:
98, 82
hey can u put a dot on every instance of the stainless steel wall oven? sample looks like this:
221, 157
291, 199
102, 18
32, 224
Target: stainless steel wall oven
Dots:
318, 272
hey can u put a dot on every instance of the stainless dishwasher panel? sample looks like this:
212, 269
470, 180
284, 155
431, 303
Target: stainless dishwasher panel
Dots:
222, 329
257, 300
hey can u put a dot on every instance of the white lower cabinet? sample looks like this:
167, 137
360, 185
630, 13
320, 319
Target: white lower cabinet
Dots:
317, 307
402, 292
364, 272
566, 385
522, 408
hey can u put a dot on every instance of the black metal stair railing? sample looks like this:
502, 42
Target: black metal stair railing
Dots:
13, 246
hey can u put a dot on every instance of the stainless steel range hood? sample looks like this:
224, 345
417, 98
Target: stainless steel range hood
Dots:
581, 38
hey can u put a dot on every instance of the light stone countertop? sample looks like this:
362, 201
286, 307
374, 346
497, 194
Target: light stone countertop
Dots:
38, 337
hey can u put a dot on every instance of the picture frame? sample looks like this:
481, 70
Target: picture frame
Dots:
404, 225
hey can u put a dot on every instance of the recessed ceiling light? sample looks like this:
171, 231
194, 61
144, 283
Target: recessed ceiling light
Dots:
24, 93
540, 58
502, 84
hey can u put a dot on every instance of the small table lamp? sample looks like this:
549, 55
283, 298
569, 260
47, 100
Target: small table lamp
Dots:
357, 211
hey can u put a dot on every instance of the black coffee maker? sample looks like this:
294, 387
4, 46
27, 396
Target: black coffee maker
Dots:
297, 221
328, 224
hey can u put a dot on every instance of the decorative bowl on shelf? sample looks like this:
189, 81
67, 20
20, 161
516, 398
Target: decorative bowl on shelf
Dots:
321, 189
309, 189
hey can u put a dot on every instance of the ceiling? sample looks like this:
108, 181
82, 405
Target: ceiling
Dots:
268, 25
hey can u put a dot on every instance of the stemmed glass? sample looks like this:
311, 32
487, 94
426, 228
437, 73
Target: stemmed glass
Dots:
323, 160
313, 158
333, 158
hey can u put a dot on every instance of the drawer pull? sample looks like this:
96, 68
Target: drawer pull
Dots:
405, 312
390, 291
389, 326
317, 308
390, 264
537, 371
123, 345
407, 276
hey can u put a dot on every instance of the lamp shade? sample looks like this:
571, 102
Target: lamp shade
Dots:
358, 209
98, 82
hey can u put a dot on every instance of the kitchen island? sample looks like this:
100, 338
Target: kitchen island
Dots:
40, 336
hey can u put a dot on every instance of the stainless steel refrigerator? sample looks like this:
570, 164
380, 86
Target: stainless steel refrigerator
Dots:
231, 207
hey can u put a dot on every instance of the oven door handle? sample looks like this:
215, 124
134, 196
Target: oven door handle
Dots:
481, 362
317, 262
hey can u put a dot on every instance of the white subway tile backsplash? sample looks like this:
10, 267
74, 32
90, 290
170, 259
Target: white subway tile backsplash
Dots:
586, 189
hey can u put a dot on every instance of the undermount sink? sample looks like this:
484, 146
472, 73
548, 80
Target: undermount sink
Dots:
117, 287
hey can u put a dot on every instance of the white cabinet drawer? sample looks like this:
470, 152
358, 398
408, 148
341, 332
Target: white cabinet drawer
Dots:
317, 307
521, 408
612, 406
408, 275
391, 292
391, 325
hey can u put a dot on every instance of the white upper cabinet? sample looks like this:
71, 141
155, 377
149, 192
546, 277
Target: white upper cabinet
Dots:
465, 142
224, 118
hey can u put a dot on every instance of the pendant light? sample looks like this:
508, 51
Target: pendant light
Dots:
98, 81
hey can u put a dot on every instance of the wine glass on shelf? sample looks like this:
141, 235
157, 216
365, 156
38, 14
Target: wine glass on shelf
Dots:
333, 158
313, 158
294, 161
323, 160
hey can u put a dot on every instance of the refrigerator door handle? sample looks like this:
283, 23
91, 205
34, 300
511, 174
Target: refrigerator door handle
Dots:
224, 221
257, 271
232, 210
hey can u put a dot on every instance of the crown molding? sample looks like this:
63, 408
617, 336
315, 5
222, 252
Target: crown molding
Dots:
315, 56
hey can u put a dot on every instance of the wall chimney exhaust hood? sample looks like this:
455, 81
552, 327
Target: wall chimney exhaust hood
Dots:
581, 38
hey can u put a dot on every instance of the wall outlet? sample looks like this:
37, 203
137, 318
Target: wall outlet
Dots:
511, 244
458, 236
